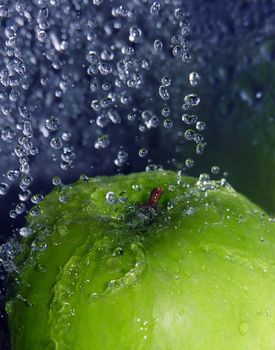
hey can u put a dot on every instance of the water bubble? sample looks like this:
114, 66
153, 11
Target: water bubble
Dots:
155, 8
215, 169
13, 174
27, 129
25, 195
63, 197
201, 126
158, 45
35, 211
143, 152
135, 34
121, 159
37, 198
103, 141
52, 124
163, 92
3, 188
56, 143
123, 197
200, 148
192, 100
13, 214
178, 50
20, 208
189, 162
166, 81
56, 181
189, 119
131, 116
8, 134
189, 134
168, 123
194, 79
179, 13
111, 198
25, 232
166, 111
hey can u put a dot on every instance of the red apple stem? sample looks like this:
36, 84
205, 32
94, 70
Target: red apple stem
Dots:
154, 198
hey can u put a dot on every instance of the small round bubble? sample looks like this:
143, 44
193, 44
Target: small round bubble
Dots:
143, 152
111, 198
56, 143
25, 232
194, 79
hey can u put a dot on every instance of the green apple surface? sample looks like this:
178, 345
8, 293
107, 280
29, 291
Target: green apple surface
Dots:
197, 273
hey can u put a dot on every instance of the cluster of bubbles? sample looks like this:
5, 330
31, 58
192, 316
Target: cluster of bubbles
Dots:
87, 85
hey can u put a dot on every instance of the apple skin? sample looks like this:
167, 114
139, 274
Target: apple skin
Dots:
197, 282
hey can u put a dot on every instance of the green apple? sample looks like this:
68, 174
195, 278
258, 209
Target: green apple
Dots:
195, 271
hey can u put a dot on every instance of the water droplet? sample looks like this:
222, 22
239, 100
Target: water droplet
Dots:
20, 208
163, 92
201, 126
52, 124
56, 181
155, 8
194, 79
103, 141
215, 169
123, 197
25, 232
166, 81
158, 45
37, 198
189, 119
56, 143
168, 123
192, 100
3, 188
111, 198
189, 163
143, 152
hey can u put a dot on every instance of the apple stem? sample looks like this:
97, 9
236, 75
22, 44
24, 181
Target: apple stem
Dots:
154, 198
